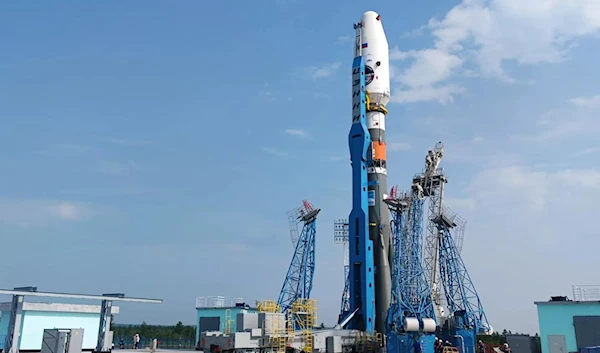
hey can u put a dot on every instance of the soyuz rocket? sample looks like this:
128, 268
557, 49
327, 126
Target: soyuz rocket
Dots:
369, 221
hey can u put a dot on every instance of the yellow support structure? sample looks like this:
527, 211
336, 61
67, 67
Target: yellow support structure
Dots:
379, 339
364, 342
268, 306
304, 314
228, 324
276, 328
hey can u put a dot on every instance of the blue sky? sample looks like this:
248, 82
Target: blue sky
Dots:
154, 149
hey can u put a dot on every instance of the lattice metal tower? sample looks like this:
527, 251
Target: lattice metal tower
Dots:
430, 184
460, 293
340, 236
411, 294
299, 279
459, 230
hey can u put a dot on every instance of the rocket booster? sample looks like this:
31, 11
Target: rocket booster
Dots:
374, 49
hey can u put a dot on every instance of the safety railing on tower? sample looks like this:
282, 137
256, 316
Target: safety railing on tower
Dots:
304, 314
268, 306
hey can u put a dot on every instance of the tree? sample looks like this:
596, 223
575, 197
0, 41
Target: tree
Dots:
144, 330
175, 336
178, 330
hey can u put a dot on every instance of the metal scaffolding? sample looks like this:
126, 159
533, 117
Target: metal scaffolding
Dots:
299, 279
304, 315
340, 236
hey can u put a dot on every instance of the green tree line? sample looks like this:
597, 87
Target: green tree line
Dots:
180, 331
177, 332
497, 338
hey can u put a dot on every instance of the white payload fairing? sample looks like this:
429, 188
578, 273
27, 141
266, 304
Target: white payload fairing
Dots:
373, 47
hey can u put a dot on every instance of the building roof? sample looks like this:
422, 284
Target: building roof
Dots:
566, 302
60, 307
226, 307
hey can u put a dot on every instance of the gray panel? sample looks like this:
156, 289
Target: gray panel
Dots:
210, 324
75, 342
54, 341
557, 344
587, 331
62, 341
519, 343
246, 321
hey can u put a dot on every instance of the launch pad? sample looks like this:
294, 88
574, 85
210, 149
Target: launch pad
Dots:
405, 291
395, 284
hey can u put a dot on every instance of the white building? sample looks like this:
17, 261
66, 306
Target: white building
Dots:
40, 316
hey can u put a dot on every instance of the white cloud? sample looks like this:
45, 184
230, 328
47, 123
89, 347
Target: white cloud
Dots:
344, 39
419, 82
522, 221
561, 124
62, 149
297, 132
398, 146
65, 210
487, 33
323, 71
532, 187
337, 158
585, 152
274, 151
117, 168
471, 151
267, 94
124, 142
31, 213
442, 94
587, 102
460, 203
558, 129
430, 66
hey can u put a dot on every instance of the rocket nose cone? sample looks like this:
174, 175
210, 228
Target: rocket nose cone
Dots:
371, 17
372, 26
370, 14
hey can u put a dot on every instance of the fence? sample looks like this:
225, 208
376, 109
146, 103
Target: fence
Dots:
167, 343
163, 343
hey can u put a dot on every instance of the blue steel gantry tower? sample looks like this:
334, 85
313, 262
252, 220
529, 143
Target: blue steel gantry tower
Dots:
361, 270
299, 280
467, 317
411, 317
444, 267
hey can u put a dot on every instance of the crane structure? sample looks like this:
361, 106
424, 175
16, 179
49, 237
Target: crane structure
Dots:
340, 236
467, 317
444, 268
411, 318
430, 184
299, 279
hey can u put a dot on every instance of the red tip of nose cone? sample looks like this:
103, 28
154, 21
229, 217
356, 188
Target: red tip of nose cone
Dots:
378, 17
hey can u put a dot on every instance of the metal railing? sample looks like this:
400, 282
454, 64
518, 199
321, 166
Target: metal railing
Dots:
217, 302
